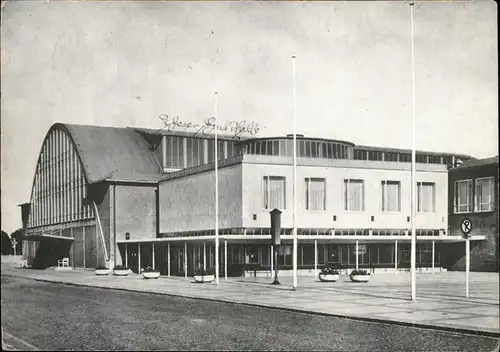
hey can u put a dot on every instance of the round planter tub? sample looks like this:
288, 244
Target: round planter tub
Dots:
151, 275
204, 278
328, 277
121, 272
101, 271
360, 278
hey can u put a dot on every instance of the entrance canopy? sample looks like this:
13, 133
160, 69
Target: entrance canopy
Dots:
306, 239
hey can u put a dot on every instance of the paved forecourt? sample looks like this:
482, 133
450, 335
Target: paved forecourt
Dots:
441, 301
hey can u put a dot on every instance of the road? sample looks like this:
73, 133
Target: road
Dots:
50, 316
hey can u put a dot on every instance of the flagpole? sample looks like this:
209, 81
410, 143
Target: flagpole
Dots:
216, 196
294, 285
413, 161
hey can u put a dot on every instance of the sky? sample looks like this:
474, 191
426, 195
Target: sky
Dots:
125, 63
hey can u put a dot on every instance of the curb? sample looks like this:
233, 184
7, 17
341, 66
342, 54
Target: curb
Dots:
295, 310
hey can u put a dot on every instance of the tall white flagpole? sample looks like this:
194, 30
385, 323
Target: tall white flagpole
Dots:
294, 285
216, 196
413, 160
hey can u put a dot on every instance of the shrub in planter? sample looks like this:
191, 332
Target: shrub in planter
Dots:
329, 274
204, 275
101, 270
150, 273
359, 275
120, 270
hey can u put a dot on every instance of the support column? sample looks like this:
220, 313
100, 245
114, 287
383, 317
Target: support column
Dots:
467, 266
126, 255
433, 256
272, 261
83, 237
315, 258
74, 249
153, 254
138, 258
396, 256
357, 255
204, 256
168, 259
225, 260
185, 259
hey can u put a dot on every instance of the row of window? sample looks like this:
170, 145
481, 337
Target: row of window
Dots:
468, 198
59, 187
335, 150
337, 254
305, 149
374, 155
183, 152
274, 194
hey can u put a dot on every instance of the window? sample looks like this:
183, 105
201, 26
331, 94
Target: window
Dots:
315, 193
360, 155
391, 196
374, 155
485, 194
463, 196
354, 195
421, 158
389, 156
426, 197
405, 158
274, 189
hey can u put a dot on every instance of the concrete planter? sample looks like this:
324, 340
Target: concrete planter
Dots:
101, 271
360, 278
328, 277
151, 274
204, 278
120, 272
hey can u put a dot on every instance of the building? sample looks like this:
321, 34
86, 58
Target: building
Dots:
473, 194
141, 197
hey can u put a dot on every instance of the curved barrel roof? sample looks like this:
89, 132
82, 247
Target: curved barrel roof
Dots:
113, 153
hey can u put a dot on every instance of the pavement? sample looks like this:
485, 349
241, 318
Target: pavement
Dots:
440, 304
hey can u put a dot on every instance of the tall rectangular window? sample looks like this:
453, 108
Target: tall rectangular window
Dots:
354, 195
315, 194
274, 192
462, 200
391, 196
485, 194
426, 197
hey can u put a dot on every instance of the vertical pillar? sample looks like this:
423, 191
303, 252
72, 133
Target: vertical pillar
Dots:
126, 255
225, 260
153, 254
357, 255
164, 150
185, 259
204, 256
272, 261
83, 235
396, 256
467, 265
433, 256
168, 259
138, 258
315, 258
74, 249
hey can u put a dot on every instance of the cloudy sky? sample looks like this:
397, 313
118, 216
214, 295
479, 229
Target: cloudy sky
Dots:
125, 63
